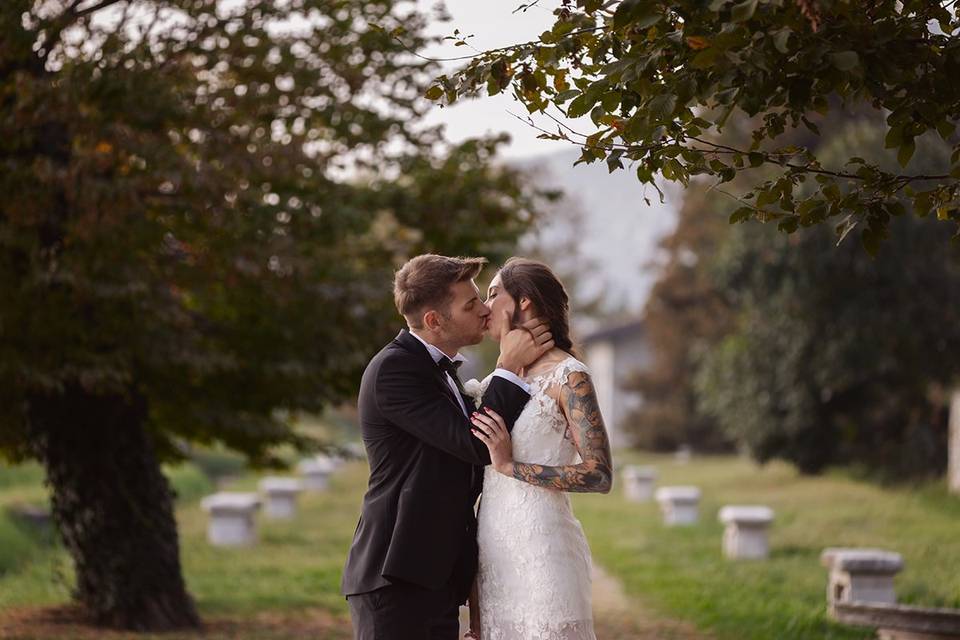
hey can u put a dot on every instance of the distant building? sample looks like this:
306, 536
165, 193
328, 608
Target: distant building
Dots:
613, 353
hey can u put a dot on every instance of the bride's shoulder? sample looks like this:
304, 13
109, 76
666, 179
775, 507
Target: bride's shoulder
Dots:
558, 365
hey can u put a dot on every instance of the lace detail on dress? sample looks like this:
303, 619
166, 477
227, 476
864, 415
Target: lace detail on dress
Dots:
534, 576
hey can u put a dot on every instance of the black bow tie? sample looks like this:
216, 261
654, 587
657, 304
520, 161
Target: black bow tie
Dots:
451, 367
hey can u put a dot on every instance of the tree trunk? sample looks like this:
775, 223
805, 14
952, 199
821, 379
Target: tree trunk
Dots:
113, 508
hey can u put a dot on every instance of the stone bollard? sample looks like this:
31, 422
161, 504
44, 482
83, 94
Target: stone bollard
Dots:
316, 473
356, 450
231, 518
861, 575
745, 532
683, 454
639, 482
281, 497
679, 505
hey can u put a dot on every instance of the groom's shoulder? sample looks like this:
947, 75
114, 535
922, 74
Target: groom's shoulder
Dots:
393, 354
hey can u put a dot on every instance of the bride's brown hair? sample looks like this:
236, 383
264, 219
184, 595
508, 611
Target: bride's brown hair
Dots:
525, 278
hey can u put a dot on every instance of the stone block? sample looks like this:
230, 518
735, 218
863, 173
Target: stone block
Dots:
861, 575
316, 472
231, 518
639, 483
746, 529
679, 505
280, 497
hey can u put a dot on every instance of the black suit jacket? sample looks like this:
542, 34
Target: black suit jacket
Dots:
417, 523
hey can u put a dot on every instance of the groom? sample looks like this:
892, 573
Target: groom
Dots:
414, 553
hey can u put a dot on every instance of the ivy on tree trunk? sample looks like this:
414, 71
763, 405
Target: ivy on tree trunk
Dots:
113, 508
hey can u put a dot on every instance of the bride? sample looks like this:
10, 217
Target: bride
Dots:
534, 568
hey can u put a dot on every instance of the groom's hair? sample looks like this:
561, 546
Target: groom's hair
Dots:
424, 282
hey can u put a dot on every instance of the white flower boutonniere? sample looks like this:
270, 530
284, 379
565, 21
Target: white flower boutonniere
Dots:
475, 390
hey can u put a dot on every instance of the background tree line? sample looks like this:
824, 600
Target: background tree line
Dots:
792, 347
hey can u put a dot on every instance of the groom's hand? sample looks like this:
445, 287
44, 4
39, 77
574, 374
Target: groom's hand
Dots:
521, 346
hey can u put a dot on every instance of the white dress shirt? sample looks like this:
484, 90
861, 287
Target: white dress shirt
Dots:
438, 355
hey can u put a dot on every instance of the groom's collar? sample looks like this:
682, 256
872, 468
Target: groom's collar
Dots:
434, 352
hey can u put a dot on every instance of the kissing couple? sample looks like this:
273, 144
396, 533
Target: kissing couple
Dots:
533, 433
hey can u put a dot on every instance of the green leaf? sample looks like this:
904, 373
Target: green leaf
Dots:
896, 208
789, 225
661, 107
871, 238
768, 196
946, 128
845, 60
781, 40
743, 11
741, 215
640, 13
433, 92
894, 138
705, 58
579, 107
610, 101
922, 204
563, 96
906, 152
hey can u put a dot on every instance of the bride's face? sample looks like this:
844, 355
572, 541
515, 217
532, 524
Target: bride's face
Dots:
497, 301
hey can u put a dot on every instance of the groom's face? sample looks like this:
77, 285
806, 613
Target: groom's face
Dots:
468, 316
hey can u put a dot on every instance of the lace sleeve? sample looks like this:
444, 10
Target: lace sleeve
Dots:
563, 370
579, 402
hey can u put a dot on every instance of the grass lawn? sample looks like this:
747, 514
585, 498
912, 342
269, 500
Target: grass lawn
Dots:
681, 573
287, 586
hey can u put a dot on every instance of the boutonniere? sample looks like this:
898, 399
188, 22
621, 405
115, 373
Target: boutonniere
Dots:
475, 390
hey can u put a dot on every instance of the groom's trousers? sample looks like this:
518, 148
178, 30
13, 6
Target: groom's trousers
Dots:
403, 611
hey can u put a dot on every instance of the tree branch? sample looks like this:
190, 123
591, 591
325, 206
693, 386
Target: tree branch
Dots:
103, 4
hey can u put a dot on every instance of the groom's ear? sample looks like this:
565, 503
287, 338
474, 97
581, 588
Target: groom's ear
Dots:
431, 320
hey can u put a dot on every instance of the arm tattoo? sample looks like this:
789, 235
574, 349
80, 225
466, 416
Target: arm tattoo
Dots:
594, 474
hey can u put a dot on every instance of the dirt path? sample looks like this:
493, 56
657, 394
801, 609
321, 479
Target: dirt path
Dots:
620, 617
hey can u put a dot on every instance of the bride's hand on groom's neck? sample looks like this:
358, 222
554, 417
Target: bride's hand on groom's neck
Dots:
524, 344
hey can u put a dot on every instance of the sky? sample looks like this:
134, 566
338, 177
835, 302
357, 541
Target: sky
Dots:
493, 24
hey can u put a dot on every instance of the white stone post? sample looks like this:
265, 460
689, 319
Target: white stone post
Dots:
861, 575
953, 455
281, 497
231, 518
316, 473
680, 506
639, 483
745, 533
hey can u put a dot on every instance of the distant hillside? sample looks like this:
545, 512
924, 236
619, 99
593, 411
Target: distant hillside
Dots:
619, 231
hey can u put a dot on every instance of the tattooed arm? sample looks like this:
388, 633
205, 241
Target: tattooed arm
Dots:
579, 404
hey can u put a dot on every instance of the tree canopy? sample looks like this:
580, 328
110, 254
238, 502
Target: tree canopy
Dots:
203, 205
207, 205
659, 80
795, 349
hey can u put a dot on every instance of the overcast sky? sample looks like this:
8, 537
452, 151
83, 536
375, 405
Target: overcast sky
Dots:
493, 25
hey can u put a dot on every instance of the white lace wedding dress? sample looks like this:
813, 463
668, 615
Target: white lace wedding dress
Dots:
534, 576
